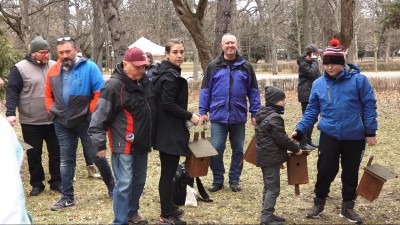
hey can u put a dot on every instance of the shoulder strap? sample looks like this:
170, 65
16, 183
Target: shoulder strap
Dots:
204, 196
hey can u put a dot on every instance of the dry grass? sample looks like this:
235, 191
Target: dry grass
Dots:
93, 206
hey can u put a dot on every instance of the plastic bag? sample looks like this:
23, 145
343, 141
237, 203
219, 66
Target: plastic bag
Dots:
190, 197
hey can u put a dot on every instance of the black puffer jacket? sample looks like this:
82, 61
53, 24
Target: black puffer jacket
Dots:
172, 135
308, 72
272, 140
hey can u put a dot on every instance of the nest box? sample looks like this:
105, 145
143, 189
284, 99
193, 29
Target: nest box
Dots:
297, 170
250, 154
372, 180
198, 161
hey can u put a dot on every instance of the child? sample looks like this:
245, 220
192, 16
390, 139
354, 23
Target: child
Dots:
271, 150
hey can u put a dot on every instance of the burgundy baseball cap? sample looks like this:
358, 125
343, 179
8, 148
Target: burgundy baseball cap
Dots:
135, 56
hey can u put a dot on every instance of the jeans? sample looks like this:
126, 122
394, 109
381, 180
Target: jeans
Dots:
271, 192
219, 133
307, 136
332, 151
34, 135
130, 173
68, 139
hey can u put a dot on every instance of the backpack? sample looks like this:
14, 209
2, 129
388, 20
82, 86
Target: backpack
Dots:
180, 181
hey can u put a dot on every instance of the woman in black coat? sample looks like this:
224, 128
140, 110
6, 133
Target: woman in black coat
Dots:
172, 136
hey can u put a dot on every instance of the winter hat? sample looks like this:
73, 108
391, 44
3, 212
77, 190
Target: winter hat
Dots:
135, 56
273, 95
38, 43
312, 48
334, 53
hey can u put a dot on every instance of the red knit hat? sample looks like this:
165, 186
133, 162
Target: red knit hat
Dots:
334, 53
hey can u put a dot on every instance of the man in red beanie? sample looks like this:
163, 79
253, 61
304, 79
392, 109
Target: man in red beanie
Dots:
346, 102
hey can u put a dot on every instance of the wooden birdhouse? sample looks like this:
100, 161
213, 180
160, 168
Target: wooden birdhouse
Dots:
372, 180
250, 153
297, 170
199, 160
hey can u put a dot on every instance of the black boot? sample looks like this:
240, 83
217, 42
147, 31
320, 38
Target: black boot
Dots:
349, 213
317, 209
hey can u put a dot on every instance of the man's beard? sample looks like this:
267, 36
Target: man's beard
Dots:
68, 63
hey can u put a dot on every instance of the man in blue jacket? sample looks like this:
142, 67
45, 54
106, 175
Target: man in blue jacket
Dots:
229, 79
346, 102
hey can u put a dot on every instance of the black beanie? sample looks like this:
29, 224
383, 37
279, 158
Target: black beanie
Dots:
38, 43
273, 95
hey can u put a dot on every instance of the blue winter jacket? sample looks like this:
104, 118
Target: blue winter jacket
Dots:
224, 91
347, 106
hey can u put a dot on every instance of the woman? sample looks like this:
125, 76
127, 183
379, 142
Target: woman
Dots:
172, 137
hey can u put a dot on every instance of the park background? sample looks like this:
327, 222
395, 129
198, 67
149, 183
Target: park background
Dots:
271, 35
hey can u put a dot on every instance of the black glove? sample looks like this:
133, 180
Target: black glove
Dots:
299, 136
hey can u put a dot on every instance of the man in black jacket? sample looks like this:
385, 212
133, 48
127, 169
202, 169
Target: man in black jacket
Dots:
126, 111
308, 72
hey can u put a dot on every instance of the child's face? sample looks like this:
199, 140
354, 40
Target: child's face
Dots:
281, 103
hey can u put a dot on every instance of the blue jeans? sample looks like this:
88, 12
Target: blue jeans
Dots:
68, 139
219, 134
130, 174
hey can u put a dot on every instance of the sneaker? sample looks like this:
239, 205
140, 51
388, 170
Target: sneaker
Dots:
92, 173
137, 219
348, 212
110, 188
63, 203
171, 220
273, 222
305, 146
317, 208
215, 187
278, 218
313, 145
56, 188
235, 187
36, 191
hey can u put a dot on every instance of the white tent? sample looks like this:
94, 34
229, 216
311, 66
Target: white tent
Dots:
147, 46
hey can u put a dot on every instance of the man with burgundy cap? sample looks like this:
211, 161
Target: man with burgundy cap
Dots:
346, 102
126, 111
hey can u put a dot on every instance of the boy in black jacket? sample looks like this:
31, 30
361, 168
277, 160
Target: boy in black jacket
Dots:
271, 150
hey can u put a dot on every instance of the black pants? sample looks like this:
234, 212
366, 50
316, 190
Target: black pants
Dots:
34, 135
307, 136
169, 164
331, 151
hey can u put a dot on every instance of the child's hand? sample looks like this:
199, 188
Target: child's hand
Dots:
299, 152
282, 166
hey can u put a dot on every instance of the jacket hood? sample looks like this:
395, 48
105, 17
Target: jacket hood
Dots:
301, 59
166, 67
239, 59
263, 113
33, 61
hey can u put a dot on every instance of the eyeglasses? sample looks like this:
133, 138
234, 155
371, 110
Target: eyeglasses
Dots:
61, 39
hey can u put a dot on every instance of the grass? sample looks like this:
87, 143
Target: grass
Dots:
94, 207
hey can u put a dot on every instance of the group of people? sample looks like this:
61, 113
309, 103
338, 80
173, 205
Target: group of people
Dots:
137, 113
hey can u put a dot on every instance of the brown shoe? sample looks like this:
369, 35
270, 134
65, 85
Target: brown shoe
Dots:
137, 219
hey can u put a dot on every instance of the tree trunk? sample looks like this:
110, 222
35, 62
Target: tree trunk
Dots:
99, 32
222, 20
194, 23
347, 17
116, 28
66, 18
26, 34
388, 43
298, 30
306, 23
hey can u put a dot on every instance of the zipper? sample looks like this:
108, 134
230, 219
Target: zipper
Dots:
148, 106
329, 94
230, 92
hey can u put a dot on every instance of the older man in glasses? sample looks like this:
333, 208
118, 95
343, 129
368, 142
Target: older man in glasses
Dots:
73, 87
25, 91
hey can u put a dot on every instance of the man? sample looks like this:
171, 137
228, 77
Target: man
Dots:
127, 111
308, 72
72, 89
347, 103
25, 91
229, 79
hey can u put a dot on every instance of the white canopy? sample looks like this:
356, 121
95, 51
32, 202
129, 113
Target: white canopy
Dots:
147, 46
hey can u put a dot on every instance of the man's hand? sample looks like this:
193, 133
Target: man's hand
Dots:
1, 83
203, 119
101, 154
371, 141
253, 121
12, 120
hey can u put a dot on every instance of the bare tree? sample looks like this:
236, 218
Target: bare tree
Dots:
222, 20
99, 33
193, 21
306, 23
115, 26
347, 22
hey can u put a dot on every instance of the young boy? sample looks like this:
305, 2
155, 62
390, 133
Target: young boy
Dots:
271, 150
